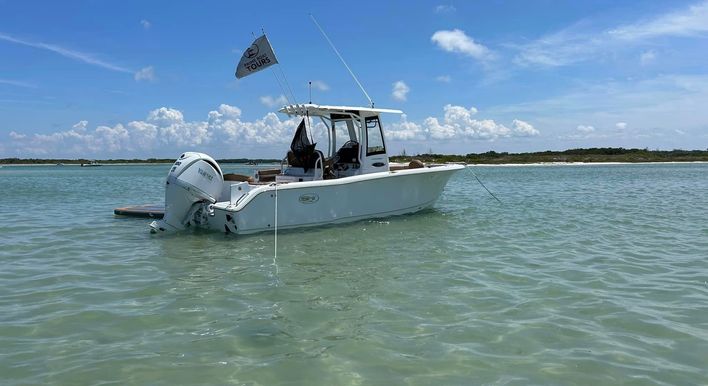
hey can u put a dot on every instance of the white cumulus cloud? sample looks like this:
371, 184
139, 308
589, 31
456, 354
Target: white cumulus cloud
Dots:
444, 78
229, 111
523, 129
457, 41
163, 128
400, 91
165, 131
145, 23
458, 123
585, 129
405, 130
621, 125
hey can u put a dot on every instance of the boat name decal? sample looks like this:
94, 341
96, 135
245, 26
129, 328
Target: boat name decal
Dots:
206, 175
309, 198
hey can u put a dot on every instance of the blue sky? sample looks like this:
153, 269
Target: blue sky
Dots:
109, 79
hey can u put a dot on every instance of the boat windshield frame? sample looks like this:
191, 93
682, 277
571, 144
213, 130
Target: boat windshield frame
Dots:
329, 115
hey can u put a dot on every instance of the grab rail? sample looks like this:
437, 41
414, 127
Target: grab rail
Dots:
320, 160
319, 163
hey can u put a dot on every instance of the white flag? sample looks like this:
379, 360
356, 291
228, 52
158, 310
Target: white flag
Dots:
256, 57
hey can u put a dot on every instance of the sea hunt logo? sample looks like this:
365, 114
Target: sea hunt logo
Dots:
309, 198
251, 51
206, 175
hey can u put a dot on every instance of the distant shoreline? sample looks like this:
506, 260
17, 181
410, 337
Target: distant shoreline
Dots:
470, 164
566, 157
594, 163
571, 156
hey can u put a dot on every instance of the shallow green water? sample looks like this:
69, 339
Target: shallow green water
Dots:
585, 275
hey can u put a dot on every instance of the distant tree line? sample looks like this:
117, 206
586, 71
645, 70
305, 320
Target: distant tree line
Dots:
604, 154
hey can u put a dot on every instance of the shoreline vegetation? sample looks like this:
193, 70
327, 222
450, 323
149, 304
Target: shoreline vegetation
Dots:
589, 155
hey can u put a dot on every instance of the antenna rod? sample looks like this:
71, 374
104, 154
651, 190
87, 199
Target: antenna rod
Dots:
342, 59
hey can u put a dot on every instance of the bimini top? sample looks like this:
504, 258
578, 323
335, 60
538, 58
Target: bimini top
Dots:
312, 109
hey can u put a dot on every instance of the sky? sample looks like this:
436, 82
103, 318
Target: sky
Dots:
135, 79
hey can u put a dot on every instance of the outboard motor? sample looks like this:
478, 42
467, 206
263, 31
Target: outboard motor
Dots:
195, 179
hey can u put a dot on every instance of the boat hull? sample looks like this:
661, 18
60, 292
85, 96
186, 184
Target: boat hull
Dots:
314, 203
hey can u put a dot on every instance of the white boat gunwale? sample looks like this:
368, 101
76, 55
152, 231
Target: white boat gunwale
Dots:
284, 186
342, 220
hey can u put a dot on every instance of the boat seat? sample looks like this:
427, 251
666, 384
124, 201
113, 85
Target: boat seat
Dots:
238, 178
306, 160
414, 164
267, 175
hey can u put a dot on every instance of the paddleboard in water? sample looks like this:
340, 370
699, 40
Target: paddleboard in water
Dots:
147, 210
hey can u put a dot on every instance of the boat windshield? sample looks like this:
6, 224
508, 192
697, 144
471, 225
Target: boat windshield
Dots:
344, 129
374, 137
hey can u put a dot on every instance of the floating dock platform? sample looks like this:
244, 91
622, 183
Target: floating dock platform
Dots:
147, 211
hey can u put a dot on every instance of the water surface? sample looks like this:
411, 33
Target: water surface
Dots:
584, 275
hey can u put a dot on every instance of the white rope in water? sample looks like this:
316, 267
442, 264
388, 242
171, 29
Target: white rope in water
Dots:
480, 182
275, 255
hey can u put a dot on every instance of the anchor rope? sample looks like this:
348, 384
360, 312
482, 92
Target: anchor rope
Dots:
481, 183
275, 255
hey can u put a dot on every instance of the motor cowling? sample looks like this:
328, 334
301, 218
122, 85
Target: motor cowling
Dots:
194, 179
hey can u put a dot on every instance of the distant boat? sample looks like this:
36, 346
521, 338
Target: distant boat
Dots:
60, 164
90, 164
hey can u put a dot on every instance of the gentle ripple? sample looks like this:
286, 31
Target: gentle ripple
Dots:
584, 275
